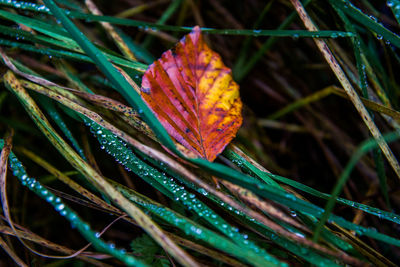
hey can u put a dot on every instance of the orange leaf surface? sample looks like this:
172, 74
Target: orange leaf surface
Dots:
194, 96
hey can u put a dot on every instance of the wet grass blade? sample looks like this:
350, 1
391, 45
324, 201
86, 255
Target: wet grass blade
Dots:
84, 228
364, 148
368, 21
135, 23
97, 180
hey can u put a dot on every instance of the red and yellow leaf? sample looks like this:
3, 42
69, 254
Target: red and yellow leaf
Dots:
194, 96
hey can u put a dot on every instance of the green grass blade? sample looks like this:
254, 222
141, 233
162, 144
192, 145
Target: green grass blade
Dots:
84, 228
119, 150
364, 148
135, 23
368, 22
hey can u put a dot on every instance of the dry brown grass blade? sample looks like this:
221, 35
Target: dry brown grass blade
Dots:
339, 92
375, 257
3, 173
114, 105
111, 31
254, 200
89, 257
5, 152
97, 180
11, 253
329, 57
140, 8
370, 253
68, 181
189, 175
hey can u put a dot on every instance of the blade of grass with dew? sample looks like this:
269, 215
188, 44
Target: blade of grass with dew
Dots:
246, 68
341, 76
304, 252
58, 34
364, 148
244, 51
126, 157
66, 180
58, 98
300, 205
49, 52
54, 114
55, 32
377, 154
218, 169
97, 180
19, 34
198, 231
368, 21
165, 16
249, 168
390, 216
135, 23
84, 228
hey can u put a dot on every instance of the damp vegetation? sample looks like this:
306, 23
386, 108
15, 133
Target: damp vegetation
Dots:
108, 160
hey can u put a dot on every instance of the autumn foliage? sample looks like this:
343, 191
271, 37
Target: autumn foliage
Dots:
194, 96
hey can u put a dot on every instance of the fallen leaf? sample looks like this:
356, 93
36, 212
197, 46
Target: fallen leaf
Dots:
194, 96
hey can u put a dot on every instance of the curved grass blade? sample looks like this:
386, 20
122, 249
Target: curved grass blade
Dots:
268, 177
45, 28
84, 228
361, 68
56, 116
198, 231
114, 76
364, 148
217, 169
298, 204
126, 157
367, 21
97, 180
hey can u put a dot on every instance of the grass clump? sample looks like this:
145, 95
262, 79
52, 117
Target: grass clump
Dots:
311, 178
